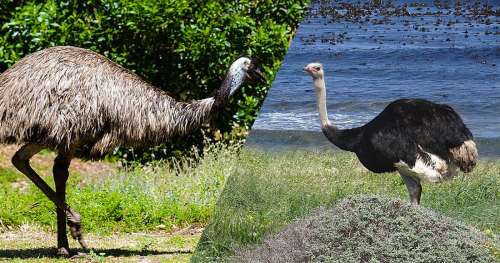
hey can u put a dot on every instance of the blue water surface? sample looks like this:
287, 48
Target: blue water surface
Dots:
433, 53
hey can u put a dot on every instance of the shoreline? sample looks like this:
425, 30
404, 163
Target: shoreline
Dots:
291, 140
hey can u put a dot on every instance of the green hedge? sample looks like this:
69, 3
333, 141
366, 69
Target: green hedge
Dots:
182, 46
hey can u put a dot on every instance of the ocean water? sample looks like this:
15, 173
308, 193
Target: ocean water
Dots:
444, 53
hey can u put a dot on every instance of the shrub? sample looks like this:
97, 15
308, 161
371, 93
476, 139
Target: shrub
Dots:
372, 229
183, 46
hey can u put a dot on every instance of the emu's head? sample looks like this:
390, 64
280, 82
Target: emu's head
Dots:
315, 70
244, 70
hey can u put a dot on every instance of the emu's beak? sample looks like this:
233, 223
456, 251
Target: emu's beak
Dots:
254, 74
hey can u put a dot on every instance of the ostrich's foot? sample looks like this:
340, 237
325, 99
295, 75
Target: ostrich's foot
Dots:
75, 226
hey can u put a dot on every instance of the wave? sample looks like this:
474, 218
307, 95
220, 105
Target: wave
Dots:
308, 121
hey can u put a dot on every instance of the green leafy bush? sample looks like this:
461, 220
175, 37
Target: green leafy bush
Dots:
183, 46
373, 229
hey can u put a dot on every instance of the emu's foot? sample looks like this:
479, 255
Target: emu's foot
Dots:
78, 255
62, 252
75, 226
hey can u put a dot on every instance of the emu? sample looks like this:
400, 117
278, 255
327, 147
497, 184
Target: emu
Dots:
421, 140
73, 100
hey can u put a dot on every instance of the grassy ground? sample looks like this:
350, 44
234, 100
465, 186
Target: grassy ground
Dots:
110, 199
155, 204
269, 190
156, 213
29, 243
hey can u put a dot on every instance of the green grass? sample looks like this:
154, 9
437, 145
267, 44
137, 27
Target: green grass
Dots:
259, 193
128, 215
269, 190
157, 197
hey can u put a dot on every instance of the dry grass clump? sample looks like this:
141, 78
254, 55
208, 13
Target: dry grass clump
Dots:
372, 229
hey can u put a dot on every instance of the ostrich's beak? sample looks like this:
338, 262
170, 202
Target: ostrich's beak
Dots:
254, 74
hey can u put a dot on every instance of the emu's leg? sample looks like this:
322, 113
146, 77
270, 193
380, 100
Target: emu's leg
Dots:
413, 186
21, 161
61, 174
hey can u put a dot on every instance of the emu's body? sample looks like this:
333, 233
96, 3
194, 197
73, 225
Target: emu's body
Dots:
67, 97
423, 141
71, 99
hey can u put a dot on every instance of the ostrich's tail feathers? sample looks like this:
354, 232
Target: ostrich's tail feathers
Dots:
465, 156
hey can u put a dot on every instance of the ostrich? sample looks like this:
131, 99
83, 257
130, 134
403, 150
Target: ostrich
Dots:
73, 100
421, 140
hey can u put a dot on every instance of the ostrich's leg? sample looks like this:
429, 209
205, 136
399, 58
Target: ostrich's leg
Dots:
413, 186
21, 162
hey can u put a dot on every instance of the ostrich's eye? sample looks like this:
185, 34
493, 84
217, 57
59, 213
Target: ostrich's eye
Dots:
317, 68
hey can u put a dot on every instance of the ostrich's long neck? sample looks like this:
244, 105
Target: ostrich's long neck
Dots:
319, 85
344, 139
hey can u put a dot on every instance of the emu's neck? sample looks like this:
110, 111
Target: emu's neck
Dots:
344, 139
194, 114
156, 117
231, 83
199, 112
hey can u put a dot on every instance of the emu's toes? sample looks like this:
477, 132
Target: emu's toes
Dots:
78, 255
62, 252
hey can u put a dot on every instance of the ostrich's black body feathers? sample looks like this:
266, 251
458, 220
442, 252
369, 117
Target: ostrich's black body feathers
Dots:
398, 131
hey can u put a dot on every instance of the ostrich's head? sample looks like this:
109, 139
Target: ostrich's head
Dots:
315, 70
244, 69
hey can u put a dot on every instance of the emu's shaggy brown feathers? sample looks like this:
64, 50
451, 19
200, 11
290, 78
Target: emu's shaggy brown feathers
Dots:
64, 97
